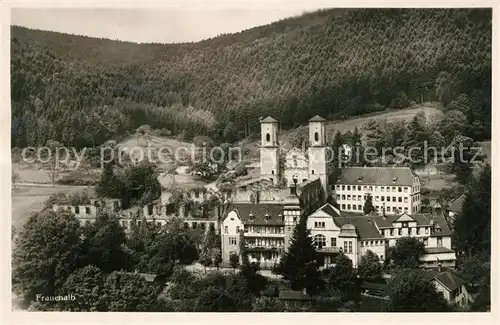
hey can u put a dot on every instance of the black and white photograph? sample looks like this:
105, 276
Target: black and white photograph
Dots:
235, 159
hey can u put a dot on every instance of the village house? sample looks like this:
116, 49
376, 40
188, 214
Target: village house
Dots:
452, 287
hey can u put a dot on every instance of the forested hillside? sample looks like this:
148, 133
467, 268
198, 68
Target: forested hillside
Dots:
336, 63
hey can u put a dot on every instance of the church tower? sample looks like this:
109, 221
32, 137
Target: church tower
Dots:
269, 149
317, 151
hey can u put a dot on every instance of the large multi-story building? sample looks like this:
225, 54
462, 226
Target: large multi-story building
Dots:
267, 230
394, 190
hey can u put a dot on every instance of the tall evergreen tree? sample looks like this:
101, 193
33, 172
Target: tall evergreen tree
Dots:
299, 263
472, 227
368, 207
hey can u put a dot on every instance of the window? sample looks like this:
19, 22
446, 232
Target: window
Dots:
348, 187
338, 197
381, 188
237, 229
320, 241
350, 247
194, 225
406, 209
371, 188
362, 243
393, 199
400, 231
440, 242
406, 200
382, 198
381, 257
226, 229
359, 197
268, 137
348, 197
343, 196
371, 243
376, 198
343, 187
87, 210
418, 230
87, 222
232, 241
345, 247
343, 206
124, 224
333, 242
400, 189
337, 187
354, 207
359, 187
409, 231
388, 199
202, 226
400, 199
405, 224
319, 224
406, 189
348, 207
360, 208
394, 188
427, 230
316, 136
426, 241
77, 210
392, 232
312, 171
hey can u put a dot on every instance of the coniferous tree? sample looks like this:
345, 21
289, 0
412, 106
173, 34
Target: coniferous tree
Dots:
472, 227
368, 207
299, 263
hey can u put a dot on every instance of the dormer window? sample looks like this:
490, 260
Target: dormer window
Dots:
251, 216
280, 217
316, 136
268, 137
360, 178
267, 217
395, 179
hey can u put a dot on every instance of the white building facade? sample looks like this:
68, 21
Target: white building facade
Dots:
394, 190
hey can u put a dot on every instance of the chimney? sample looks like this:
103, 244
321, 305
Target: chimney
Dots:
440, 269
293, 190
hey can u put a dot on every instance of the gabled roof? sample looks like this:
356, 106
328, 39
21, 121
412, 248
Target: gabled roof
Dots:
456, 204
422, 220
450, 280
404, 217
331, 210
387, 176
365, 227
317, 118
269, 119
262, 214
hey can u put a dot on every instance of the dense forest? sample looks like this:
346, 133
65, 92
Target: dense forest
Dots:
337, 63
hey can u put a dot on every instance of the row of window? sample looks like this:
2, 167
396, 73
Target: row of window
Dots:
372, 243
400, 189
265, 242
258, 229
319, 224
377, 198
194, 225
411, 231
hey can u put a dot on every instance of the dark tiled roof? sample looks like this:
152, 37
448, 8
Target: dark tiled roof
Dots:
388, 176
456, 204
293, 295
450, 280
365, 227
317, 118
328, 208
269, 119
422, 219
259, 211
373, 285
